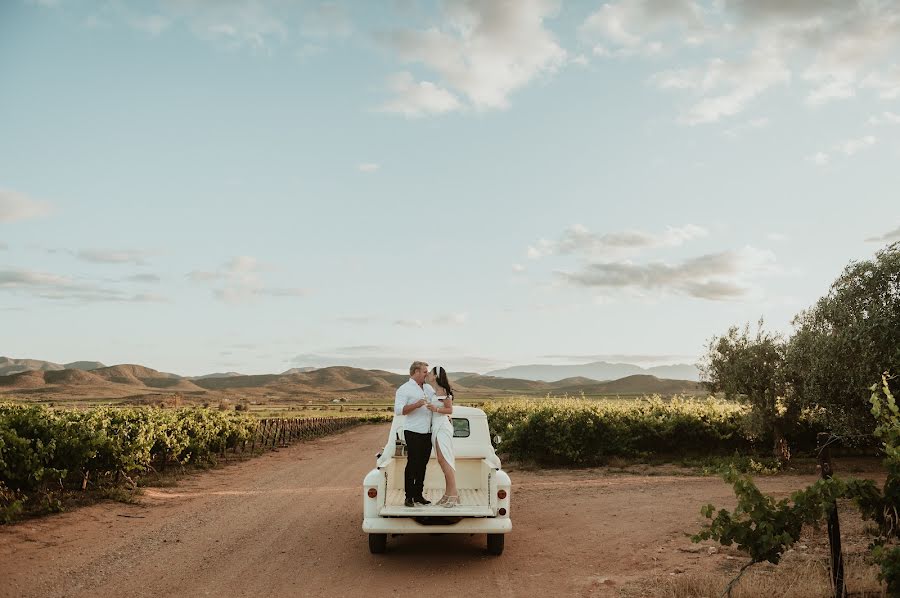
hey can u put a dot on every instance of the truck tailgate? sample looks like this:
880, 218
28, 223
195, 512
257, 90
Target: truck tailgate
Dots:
472, 503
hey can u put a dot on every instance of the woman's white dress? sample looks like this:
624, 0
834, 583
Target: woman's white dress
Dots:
442, 432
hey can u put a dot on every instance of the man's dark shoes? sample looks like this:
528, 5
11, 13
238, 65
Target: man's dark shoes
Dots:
421, 501
409, 503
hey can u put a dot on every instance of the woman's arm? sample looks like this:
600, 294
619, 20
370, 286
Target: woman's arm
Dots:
447, 409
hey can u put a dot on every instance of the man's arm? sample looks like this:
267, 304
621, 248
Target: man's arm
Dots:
400, 403
413, 406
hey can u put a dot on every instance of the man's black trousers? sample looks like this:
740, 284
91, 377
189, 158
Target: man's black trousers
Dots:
418, 451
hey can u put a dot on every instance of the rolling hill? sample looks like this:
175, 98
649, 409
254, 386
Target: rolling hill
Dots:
9, 366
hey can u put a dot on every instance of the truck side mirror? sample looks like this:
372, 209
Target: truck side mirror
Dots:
496, 439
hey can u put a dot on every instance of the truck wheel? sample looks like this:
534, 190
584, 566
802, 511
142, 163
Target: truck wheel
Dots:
495, 543
378, 543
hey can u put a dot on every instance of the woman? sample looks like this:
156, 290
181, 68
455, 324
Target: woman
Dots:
441, 407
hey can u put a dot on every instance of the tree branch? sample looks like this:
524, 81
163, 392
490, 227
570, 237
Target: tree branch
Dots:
733, 582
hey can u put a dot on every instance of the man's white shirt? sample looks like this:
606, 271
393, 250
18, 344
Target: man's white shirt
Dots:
417, 420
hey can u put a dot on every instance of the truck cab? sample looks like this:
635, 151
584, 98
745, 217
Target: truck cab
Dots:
484, 488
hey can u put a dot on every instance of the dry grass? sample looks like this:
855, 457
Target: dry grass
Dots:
791, 579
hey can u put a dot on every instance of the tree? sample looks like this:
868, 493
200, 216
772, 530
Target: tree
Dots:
846, 340
751, 368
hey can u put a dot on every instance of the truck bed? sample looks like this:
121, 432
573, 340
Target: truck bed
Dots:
472, 478
472, 503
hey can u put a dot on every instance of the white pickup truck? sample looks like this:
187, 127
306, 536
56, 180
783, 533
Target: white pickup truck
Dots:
484, 488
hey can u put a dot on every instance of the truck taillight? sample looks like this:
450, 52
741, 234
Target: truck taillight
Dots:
373, 492
501, 494
501, 511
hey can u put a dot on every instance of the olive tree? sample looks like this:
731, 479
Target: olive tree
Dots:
846, 340
751, 368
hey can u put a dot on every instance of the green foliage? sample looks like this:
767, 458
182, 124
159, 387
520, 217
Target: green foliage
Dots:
846, 340
720, 465
586, 432
763, 527
44, 452
39, 447
751, 368
883, 506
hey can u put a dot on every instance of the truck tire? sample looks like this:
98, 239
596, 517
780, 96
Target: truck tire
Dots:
378, 543
495, 543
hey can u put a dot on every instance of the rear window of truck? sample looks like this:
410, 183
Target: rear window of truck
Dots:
460, 427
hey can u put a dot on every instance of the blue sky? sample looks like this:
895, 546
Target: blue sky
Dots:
201, 186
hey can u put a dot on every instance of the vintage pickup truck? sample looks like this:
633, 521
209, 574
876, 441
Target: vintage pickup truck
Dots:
484, 488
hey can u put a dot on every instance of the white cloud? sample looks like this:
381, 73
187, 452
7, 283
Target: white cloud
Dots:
717, 277
242, 283
517, 268
408, 323
579, 240
854, 146
414, 99
887, 84
819, 158
848, 147
885, 118
625, 28
724, 88
18, 206
836, 47
482, 51
453, 319
778, 237
66, 288
890, 236
112, 256
368, 167
750, 125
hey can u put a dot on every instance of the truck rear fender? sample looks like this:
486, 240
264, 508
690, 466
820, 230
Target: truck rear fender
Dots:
377, 479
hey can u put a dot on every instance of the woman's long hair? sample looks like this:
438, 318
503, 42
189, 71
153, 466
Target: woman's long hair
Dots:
440, 376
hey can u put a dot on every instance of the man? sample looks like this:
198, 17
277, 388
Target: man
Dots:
410, 401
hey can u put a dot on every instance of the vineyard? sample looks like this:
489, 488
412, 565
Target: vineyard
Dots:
587, 432
44, 452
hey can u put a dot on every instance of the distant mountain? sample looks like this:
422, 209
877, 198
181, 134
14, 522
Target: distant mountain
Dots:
297, 371
9, 366
454, 376
678, 371
122, 379
216, 375
83, 365
600, 370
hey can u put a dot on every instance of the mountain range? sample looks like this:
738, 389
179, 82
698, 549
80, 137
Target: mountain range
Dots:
598, 370
50, 380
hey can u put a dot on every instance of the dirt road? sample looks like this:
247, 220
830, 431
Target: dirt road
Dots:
288, 524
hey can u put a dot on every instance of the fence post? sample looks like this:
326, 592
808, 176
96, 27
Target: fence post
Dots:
834, 527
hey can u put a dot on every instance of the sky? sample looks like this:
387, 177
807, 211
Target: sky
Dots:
250, 185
